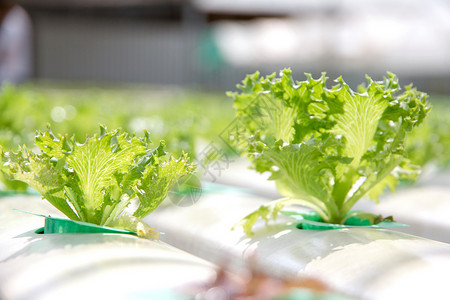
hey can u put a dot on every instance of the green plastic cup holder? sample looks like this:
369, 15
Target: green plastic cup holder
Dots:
40, 231
8, 193
311, 220
59, 225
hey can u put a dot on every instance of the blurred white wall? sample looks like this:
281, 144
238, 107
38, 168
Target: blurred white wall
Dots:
214, 43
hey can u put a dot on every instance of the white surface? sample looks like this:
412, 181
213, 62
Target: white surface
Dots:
424, 206
367, 263
425, 209
85, 266
238, 174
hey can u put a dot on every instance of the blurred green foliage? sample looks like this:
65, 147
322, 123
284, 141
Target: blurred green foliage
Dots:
430, 142
182, 118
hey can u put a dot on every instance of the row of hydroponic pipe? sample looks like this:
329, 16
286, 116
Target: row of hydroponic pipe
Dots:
325, 148
200, 257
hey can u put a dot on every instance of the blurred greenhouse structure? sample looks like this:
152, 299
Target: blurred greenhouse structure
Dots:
210, 43
116, 103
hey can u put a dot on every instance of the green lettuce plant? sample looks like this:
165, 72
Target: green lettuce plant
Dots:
95, 181
326, 148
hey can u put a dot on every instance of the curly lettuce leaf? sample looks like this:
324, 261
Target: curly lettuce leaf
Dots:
327, 147
95, 181
429, 143
6, 183
46, 176
158, 181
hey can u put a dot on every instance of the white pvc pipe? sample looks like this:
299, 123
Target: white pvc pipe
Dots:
366, 263
86, 266
424, 206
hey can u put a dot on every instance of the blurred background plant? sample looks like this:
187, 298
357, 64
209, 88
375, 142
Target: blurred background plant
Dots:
430, 142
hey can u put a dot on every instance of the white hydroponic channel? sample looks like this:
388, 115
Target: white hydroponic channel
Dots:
87, 266
365, 263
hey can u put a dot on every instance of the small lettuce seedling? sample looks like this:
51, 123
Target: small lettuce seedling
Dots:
95, 181
325, 148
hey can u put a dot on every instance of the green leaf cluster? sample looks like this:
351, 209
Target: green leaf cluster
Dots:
95, 181
326, 148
